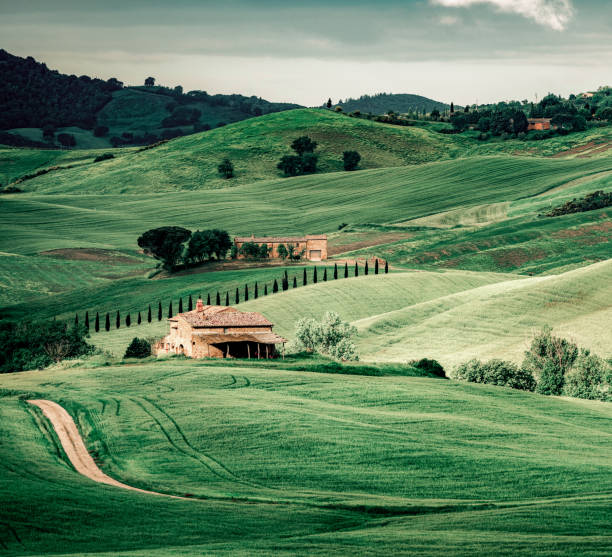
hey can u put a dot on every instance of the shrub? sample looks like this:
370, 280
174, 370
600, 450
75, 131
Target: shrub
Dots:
589, 378
226, 168
495, 372
332, 336
104, 157
430, 366
138, 348
351, 159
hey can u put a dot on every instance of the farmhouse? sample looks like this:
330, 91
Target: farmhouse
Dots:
538, 124
314, 246
219, 332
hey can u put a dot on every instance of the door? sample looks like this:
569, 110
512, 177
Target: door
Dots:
315, 255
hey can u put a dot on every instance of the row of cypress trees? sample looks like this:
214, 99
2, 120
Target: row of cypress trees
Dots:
284, 285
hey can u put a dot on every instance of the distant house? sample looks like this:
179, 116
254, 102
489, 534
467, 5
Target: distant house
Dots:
219, 332
538, 124
587, 95
314, 246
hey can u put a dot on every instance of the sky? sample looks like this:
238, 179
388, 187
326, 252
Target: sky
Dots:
465, 51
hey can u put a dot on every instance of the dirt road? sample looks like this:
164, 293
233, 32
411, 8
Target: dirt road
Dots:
75, 449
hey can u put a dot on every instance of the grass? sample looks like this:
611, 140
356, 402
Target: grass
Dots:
305, 463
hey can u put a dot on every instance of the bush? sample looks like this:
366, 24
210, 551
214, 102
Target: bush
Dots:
495, 372
590, 202
351, 159
138, 348
430, 366
104, 157
590, 378
332, 336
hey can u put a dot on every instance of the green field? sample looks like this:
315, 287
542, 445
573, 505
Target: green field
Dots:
277, 458
293, 462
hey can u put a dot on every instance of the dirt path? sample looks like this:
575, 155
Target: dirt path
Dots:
75, 449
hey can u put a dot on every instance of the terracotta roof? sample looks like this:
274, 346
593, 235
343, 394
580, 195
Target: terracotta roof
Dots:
261, 337
222, 316
534, 120
278, 239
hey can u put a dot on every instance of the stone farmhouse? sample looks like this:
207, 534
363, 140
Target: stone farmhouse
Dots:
314, 247
220, 332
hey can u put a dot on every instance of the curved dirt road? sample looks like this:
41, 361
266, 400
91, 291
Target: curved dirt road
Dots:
75, 449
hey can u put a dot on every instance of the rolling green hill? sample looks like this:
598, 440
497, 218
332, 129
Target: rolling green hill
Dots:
399, 103
285, 462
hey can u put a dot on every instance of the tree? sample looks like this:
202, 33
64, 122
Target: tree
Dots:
590, 378
138, 348
256, 293
459, 121
314, 276
237, 298
346, 271
495, 372
282, 251
325, 274
66, 140
208, 299
376, 266
366, 270
285, 283
291, 165
139, 321
303, 145
335, 271
128, 320
159, 312
226, 168
274, 287
435, 114
295, 281
265, 289
246, 292
332, 336
386, 267
170, 312
452, 108
76, 319
309, 163
118, 320
97, 323
218, 299
180, 309
356, 269
107, 323
149, 82
190, 304
165, 243
305, 278
351, 159
227, 298
329, 103
149, 315
206, 243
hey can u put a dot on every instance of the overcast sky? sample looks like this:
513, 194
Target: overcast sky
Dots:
464, 51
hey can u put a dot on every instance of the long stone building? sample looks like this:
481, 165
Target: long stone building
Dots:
314, 246
219, 332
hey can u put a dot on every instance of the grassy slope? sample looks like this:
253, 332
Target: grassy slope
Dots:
459, 468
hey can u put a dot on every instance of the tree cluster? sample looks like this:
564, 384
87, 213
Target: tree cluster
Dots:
304, 161
590, 202
331, 337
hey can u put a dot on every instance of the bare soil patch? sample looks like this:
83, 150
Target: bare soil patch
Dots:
362, 243
91, 254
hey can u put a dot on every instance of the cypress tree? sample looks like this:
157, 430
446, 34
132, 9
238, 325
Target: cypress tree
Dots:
159, 312
246, 292
286, 275
190, 305
356, 269
314, 276
386, 267
275, 287
139, 319
325, 274
118, 320
295, 281
208, 299
265, 289
218, 300
107, 324
76, 320
305, 278
227, 298
87, 320
376, 266
335, 271
97, 323
170, 312
285, 283
128, 320
237, 296
366, 267
180, 305
149, 316
256, 291
346, 269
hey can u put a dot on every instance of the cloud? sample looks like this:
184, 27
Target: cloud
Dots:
555, 14
449, 20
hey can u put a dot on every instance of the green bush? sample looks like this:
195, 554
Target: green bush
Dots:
495, 372
590, 378
331, 337
430, 366
138, 348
